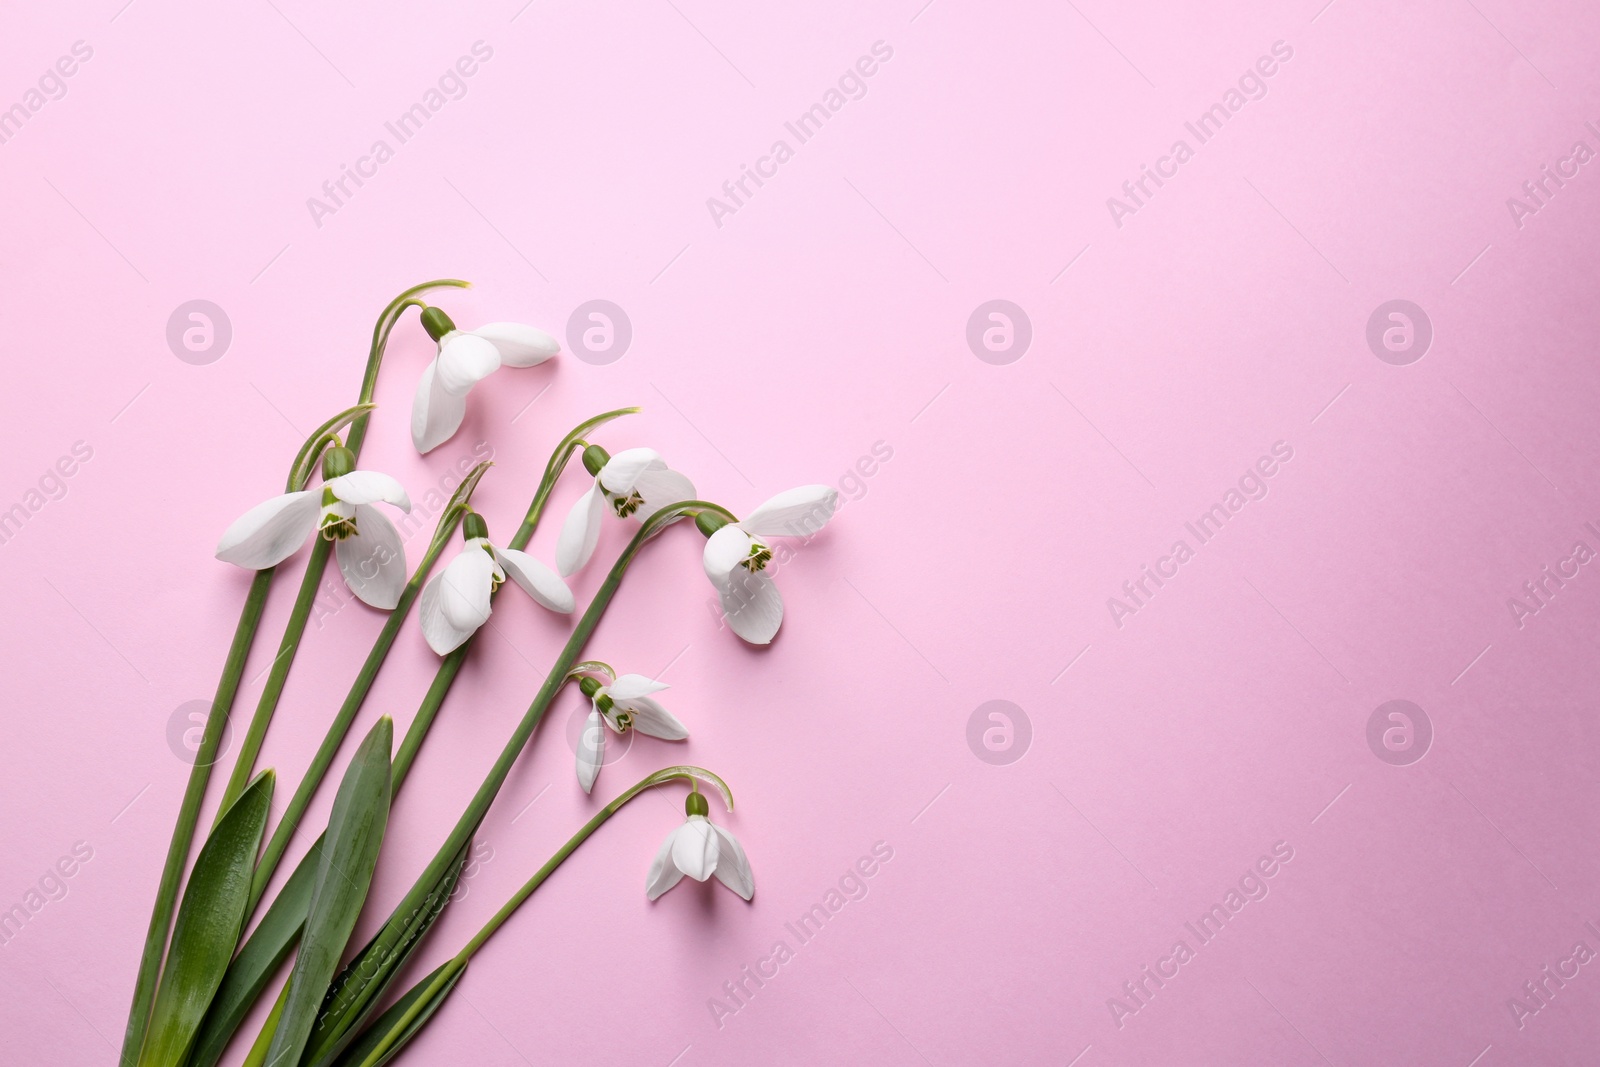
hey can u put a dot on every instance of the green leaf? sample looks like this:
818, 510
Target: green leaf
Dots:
268, 945
349, 856
356, 991
391, 1021
208, 926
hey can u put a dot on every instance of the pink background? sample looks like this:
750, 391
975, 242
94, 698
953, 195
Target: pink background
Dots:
826, 315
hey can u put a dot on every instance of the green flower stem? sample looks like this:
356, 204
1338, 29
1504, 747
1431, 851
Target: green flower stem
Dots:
449, 519
442, 978
245, 764
461, 835
357, 435
189, 815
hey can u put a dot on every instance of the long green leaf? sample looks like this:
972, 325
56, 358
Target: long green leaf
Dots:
349, 856
362, 1047
365, 978
208, 926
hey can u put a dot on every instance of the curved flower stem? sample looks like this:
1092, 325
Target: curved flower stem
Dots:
405, 1027
189, 815
449, 519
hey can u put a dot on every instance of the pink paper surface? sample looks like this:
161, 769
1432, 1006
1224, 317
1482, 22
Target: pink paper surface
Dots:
1158, 741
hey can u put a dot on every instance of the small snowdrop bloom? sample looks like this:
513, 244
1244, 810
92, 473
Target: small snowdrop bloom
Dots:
467, 357
736, 556
366, 543
457, 600
700, 848
626, 704
634, 483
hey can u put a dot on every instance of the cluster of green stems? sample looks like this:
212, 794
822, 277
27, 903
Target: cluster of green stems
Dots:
356, 991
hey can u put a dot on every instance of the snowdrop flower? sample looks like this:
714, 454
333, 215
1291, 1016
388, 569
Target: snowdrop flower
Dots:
456, 601
635, 483
465, 358
700, 848
736, 556
367, 545
625, 704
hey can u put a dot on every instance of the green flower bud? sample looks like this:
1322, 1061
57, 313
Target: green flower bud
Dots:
695, 804
473, 526
436, 322
337, 462
595, 457
709, 522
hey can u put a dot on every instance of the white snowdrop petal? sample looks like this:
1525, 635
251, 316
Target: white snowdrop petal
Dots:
441, 636
519, 345
269, 533
663, 874
695, 848
465, 360
629, 686
733, 866
752, 606
651, 718
724, 551
660, 488
435, 413
591, 750
464, 593
367, 487
580, 533
624, 468
537, 580
795, 513
374, 561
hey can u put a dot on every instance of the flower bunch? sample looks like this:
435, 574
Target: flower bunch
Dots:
199, 977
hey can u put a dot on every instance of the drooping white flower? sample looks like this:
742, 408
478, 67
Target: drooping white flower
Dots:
465, 358
457, 600
366, 544
626, 704
634, 483
700, 848
736, 557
